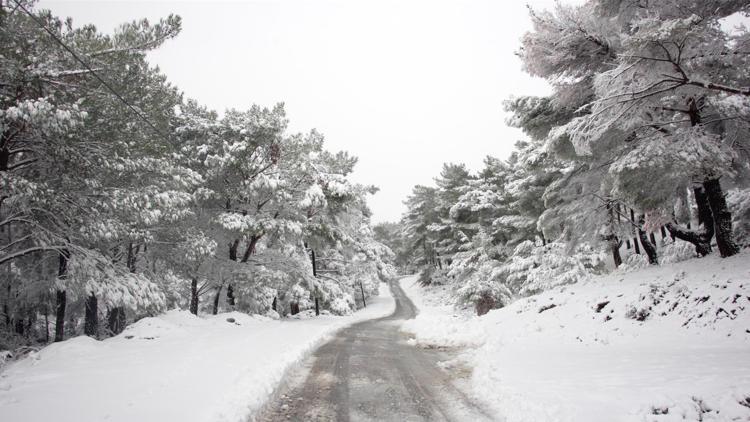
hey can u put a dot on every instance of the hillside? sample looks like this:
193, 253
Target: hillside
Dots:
660, 344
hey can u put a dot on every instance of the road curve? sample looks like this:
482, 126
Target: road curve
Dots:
368, 372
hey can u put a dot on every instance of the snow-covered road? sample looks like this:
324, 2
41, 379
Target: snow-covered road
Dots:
369, 372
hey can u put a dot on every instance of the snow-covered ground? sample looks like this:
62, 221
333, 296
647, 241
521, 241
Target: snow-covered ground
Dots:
175, 367
669, 343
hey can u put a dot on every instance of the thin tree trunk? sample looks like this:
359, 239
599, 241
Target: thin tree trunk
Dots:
61, 296
616, 253
18, 326
194, 296
60, 316
362, 289
230, 296
116, 320
648, 247
314, 263
315, 274
250, 250
635, 237
700, 238
722, 218
6, 305
614, 242
132, 257
232, 256
91, 319
216, 299
233, 249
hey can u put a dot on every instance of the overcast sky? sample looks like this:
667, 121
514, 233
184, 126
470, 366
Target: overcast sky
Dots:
405, 85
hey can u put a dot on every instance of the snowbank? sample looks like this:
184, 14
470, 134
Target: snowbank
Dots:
175, 367
670, 343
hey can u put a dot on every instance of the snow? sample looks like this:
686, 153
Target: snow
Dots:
174, 367
668, 343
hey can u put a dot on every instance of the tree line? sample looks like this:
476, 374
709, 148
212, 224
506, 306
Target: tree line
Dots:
120, 198
639, 155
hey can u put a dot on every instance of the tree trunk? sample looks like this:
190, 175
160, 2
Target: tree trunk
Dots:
230, 296
60, 316
132, 257
250, 250
663, 232
6, 305
614, 242
317, 307
232, 256
216, 299
705, 216
91, 319
702, 246
702, 237
722, 218
18, 326
635, 238
61, 296
648, 247
314, 263
194, 297
294, 308
362, 289
274, 304
233, 249
4, 158
116, 320
615, 245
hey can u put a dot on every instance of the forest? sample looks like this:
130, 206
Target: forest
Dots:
638, 157
162, 260
121, 198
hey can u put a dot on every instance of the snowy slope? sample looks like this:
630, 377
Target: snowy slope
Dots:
176, 367
670, 343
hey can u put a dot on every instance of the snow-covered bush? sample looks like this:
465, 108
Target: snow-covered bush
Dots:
675, 251
534, 267
633, 262
430, 275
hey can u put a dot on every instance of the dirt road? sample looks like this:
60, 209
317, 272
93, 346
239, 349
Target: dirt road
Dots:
369, 373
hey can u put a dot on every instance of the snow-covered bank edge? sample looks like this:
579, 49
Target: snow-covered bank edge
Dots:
172, 367
666, 343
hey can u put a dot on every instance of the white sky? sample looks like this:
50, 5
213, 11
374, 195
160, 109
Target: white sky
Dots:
405, 85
